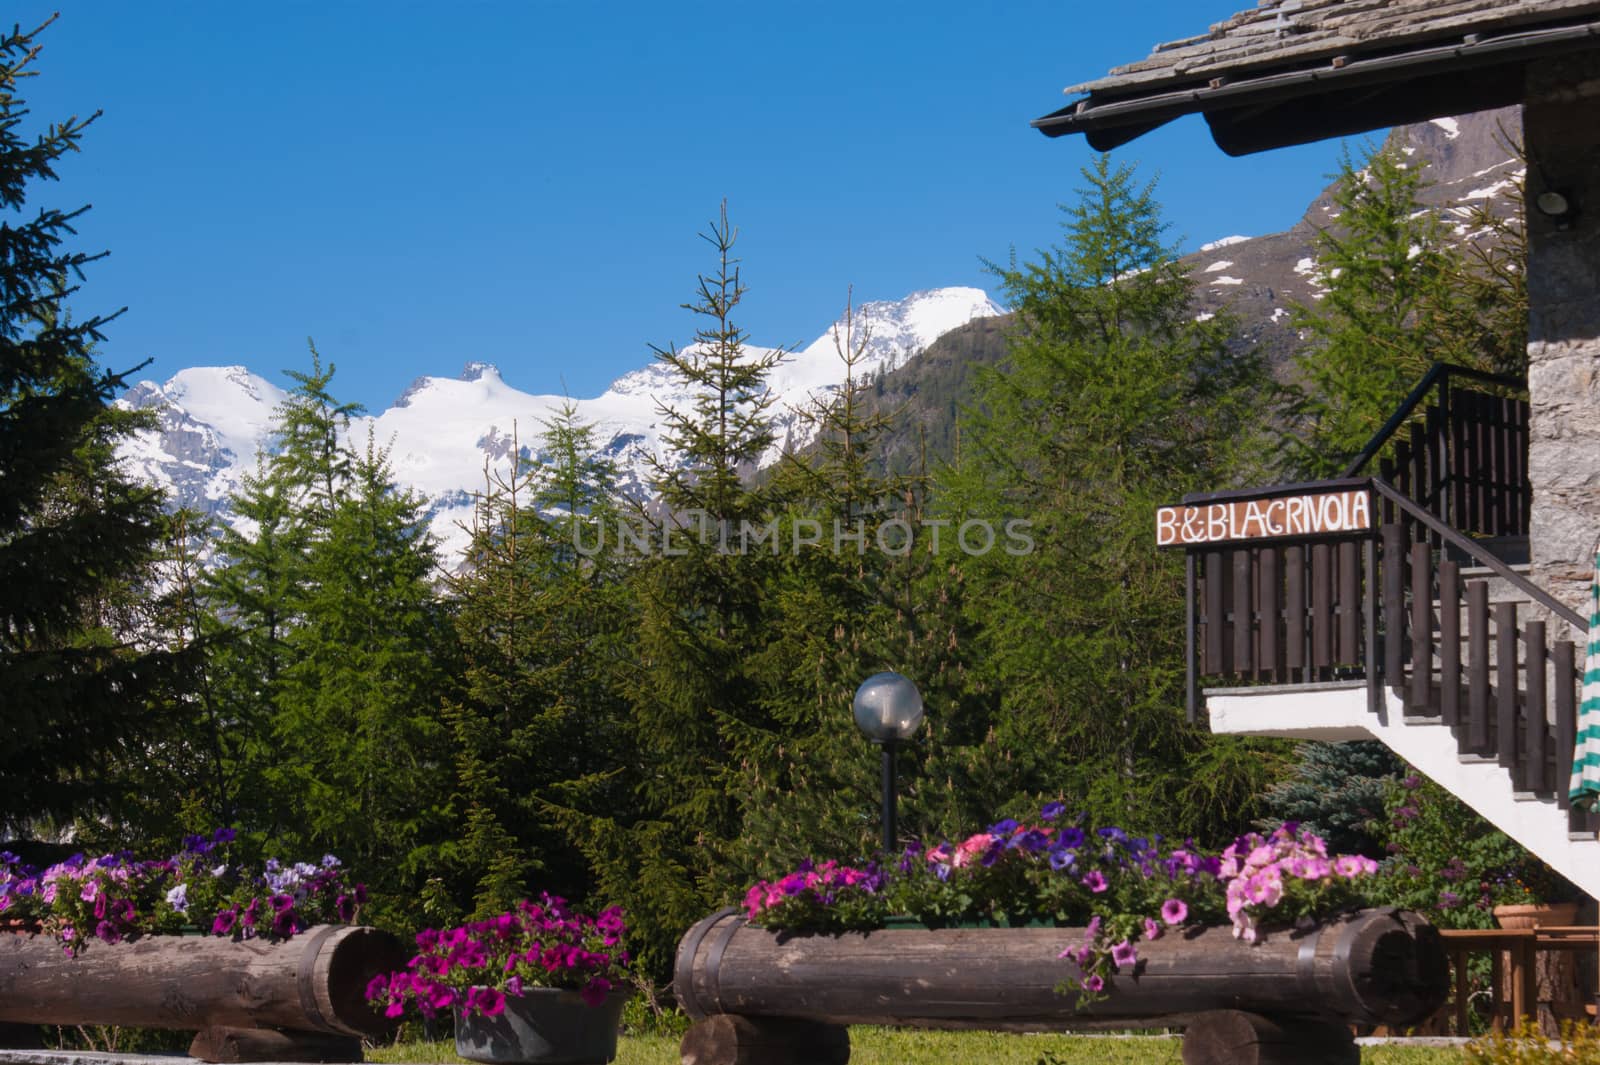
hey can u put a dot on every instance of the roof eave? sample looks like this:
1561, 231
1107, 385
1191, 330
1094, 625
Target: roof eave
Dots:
1109, 121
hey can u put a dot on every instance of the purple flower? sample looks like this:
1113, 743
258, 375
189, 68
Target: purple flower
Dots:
1003, 828
1071, 837
1052, 810
1061, 858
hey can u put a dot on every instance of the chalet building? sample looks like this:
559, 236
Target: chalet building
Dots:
1437, 598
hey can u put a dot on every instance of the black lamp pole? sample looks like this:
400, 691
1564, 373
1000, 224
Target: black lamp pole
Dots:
889, 832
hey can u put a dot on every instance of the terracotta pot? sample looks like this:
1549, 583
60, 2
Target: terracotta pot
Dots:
1536, 915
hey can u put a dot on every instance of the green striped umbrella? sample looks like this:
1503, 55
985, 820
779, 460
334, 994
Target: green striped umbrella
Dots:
1585, 789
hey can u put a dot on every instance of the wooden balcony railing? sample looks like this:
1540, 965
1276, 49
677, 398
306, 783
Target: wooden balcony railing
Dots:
1476, 647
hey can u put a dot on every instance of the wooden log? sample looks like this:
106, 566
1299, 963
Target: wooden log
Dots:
729, 1039
1371, 967
315, 981
1235, 1037
220, 1044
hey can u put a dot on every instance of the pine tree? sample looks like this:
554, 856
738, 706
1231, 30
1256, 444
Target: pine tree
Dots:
1113, 400
78, 689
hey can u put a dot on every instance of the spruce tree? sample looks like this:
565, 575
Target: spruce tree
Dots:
700, 614
1113, 399
541, 617
78, 689
370, 659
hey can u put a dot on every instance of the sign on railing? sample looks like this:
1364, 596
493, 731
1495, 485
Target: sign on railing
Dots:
1312, 513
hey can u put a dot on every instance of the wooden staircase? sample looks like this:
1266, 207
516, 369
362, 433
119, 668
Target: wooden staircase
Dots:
1423, 632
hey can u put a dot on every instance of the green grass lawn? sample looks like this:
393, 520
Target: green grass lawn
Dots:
886, 1046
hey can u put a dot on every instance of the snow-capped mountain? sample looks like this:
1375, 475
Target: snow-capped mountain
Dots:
441, 431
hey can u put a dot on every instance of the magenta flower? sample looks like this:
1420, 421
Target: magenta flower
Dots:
1123, 954
1152, 928
1095, 881
1093, 983
1174, 911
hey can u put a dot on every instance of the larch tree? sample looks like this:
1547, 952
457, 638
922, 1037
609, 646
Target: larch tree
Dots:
1113, 399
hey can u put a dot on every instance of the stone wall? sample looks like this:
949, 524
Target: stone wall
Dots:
1562, 129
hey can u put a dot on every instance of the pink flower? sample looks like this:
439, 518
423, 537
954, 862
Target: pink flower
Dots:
1152, 928
1123, 954
1093, 983
1348, 866
1174, 911
1095, 881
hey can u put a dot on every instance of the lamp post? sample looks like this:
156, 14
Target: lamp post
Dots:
888, 709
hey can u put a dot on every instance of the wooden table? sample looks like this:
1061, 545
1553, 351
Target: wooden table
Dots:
1519, 947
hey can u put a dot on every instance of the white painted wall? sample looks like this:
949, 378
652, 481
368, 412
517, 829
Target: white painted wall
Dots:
1338, 712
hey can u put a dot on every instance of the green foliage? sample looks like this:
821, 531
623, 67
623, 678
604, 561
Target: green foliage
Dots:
541, 615
700, 616
1113, 400
1338, 790
83, 679
1449, 864
327, 641
1401, 293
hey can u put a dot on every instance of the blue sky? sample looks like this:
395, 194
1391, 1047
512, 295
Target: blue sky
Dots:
416, 186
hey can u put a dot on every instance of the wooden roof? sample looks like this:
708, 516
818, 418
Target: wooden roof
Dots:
1363, 58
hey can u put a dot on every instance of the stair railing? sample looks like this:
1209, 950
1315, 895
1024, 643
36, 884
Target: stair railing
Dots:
1513, 696
1465, 458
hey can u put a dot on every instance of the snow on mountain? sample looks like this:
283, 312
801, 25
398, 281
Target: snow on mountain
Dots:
212, 420
441, 431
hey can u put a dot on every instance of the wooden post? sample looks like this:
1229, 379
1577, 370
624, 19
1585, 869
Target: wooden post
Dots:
730, 1039
229, 1045
1234, 1037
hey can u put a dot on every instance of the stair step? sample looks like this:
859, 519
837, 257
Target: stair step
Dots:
1477, 759
1581, 837
1421, 719
1526, 796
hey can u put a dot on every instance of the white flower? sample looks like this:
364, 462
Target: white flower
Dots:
178, 898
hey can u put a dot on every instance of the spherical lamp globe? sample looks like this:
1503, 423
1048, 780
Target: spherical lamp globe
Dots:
888, 708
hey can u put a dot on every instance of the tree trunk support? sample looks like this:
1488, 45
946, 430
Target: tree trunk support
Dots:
1234, 1037
733, 1039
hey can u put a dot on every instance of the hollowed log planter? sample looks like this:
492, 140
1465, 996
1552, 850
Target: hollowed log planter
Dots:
1292, 988
246, 998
